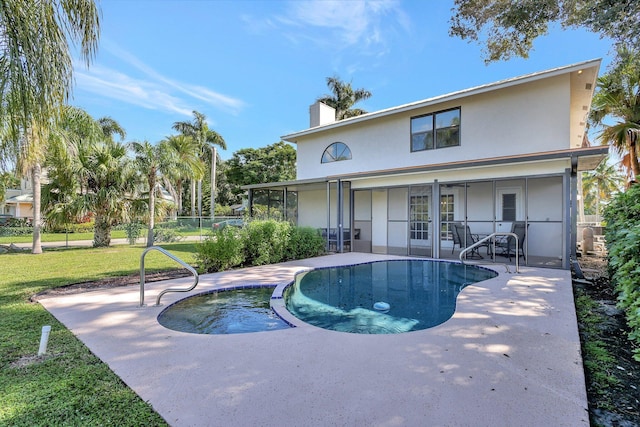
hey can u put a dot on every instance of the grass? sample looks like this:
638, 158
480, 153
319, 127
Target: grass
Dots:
598, 362
73, 237
68, 385
58, 237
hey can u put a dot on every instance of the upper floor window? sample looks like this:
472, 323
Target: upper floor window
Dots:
336, 152
436, 130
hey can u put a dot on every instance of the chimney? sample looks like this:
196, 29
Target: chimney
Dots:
321, 114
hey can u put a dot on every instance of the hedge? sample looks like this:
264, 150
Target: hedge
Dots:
15, 231
622, 235
258, 243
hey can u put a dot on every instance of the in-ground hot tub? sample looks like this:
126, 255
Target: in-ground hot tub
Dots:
228, 311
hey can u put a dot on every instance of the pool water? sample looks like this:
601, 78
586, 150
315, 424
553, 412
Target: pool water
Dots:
232, 311
419, 294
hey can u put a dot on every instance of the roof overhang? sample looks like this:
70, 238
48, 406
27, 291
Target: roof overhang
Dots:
22, 198
291, 185
586, 158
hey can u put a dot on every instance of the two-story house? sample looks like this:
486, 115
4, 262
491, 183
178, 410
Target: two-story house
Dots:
404, 179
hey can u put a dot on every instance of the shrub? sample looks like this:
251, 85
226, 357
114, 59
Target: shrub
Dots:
223, 210
173, 224
623, 244
133, 230
188, 223
19, 222
82, 227
15, 231
265, 241
166, 235
221, 251
304, 242
258, 243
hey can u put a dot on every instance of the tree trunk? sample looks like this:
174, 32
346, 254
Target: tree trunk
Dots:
36, 247
634, 152
101, 232
200, 198
580, 201
193, 198
152, 210
213, 181
179, 191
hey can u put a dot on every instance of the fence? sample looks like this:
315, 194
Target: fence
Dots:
192, 225
591, 220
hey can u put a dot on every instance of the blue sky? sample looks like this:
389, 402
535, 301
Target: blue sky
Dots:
254, 67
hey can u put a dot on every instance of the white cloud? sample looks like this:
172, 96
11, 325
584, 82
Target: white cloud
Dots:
154, 91
115, 85
362, 23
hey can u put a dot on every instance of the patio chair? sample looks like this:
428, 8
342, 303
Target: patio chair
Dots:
465, 236
456, 237
507, 246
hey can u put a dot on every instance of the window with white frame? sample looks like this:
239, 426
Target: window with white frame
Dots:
509, 204
336, 152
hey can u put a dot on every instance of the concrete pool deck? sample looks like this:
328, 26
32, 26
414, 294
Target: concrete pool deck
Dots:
509, 356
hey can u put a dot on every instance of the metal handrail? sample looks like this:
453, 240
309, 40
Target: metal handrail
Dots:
176, 259
484, 239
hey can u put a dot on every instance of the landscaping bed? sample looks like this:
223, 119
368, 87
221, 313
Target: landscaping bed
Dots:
111, 282
614, 400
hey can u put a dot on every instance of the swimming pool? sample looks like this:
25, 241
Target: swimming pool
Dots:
381, 297
230, 311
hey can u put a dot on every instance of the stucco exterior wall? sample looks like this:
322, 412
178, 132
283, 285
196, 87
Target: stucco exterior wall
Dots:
521, 119
312, 208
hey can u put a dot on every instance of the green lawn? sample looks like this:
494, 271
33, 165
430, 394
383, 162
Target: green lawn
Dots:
72, 237
69, 386
58, 237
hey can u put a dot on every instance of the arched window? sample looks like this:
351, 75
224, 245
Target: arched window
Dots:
336, 152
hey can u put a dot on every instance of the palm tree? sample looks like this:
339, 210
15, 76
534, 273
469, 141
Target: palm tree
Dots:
600, 185
98, 179
207, 139
618, 97
344, 98
110, 128
37, 76
75, 131
89, 173
188, 164
111, 180
153, 161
